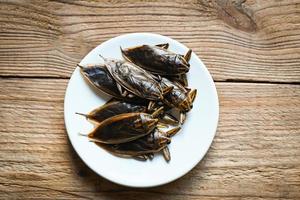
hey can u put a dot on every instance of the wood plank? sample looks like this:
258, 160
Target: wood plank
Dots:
255, 154
254, 40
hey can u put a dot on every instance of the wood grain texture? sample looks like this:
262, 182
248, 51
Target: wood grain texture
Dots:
253, 40
255, 154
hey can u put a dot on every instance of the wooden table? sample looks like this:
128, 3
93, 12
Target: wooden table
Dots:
251, 48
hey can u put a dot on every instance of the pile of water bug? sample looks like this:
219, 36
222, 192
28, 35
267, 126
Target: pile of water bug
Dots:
148, 87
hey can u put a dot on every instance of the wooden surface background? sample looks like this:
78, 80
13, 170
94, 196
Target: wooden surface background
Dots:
251, 48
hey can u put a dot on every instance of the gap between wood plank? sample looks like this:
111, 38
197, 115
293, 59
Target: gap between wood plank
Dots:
217, 81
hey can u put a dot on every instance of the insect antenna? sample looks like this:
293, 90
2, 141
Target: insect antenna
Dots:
102, 57
85, 115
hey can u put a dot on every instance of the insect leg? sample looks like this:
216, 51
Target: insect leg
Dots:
164, 45
166, 154
182, 117
187, 56
173, 131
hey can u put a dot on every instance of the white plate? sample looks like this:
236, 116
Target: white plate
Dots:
187, 147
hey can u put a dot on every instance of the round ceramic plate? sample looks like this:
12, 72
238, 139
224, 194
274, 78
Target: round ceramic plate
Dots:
187, 147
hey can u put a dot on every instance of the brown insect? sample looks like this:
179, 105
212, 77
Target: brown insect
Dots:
125, 127
99, 77
135, 80
180, 97
144, 147
116, 107
158, 59
113, 108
